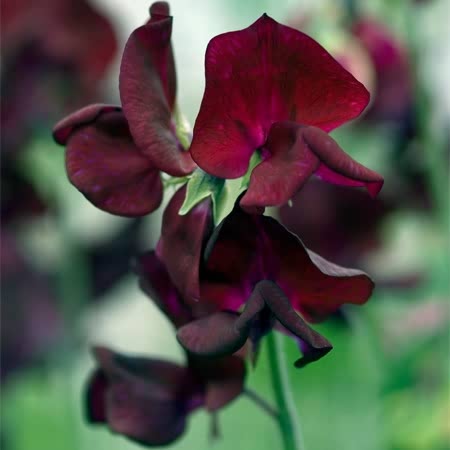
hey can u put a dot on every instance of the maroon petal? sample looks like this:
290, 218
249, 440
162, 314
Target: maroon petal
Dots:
213, 335
336, 166
263, 74
104, 164
294, 153
96, 397
223, 377
144, 399
224, 333
155, 282
289, 165
89, 114
147, 91
259, 248
182, 242
315, 286
314, 345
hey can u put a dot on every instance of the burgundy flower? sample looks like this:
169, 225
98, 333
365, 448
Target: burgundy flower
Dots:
394, 88
31, 324
250, 260
272, 89
49, 66
114, 157
148, 400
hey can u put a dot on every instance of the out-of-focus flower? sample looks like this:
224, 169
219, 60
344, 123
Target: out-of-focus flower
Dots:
114, 156
46, 58
340, 224
394, 84
272, 89
29, 305
225, 272
148, 400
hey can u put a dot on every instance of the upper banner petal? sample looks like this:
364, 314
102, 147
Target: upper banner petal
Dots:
263, 74
147, 92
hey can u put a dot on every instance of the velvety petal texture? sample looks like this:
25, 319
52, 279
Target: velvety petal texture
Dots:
104, 164
146, 400
264, 74
292, 154
315, 287
226, 332
156, 283
147, 86
182, 242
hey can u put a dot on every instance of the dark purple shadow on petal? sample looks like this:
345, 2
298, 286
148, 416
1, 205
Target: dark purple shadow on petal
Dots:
89, 114
96, 397
223, 377
104, 164
250, 248
316, 287
182, 242
224, 333
264, 74
147, 92
155, 282
145, 399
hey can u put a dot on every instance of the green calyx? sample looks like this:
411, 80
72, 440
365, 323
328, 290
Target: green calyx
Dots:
223, 192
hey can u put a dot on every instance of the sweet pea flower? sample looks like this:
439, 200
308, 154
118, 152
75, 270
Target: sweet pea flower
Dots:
148, 399
272, 89
114, 156
250, 262
49, 67
394, 79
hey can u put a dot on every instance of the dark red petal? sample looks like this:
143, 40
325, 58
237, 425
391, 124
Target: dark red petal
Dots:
315, 286
155, 282
336, 166
181, 244
223, 377
145, 399
160, 8
232, 260
147, 91
314, 345
249, 248
103, 163
213, 335
290, 164
263, 74
96, 397
89, 114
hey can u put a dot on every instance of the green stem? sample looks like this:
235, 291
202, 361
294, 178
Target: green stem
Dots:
287, 416
262, 403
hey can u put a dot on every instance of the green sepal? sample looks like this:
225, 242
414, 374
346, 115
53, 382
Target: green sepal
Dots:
223, 192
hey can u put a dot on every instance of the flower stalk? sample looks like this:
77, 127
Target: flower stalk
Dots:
287, 415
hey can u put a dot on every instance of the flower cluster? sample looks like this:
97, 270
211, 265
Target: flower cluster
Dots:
272, 95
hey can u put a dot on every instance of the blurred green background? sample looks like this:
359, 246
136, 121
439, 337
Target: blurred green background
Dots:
65, 276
